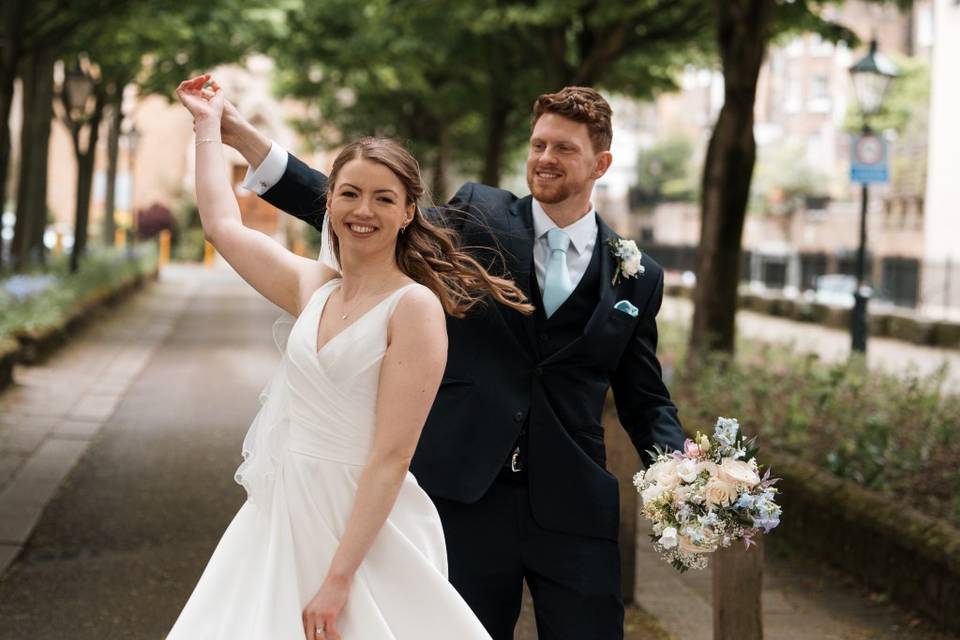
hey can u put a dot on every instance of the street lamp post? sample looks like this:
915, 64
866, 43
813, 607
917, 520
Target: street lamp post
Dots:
82, 106
871, 78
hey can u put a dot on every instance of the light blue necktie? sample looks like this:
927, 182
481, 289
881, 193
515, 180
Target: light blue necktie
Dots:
556, 282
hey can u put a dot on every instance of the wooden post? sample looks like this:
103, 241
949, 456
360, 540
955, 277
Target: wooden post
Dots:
208, 254
164, 258
58, 244
623, 462
737, 587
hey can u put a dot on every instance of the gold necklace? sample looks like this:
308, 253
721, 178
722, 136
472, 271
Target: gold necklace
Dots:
346, 314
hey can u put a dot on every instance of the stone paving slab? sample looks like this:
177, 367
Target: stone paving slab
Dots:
23, 499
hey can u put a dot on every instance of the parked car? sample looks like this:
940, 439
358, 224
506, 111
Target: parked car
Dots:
836, 290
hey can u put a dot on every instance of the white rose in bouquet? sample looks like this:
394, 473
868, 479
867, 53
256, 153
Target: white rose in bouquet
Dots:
652, 493
739, 473
720, 492
663, 473
688, 470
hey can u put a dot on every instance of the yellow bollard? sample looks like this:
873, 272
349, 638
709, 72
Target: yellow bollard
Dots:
300, 247
164, 248
58, 244
120, 238
208, 254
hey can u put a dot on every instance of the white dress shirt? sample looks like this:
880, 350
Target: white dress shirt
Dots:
261, 179
583, 232
583, 236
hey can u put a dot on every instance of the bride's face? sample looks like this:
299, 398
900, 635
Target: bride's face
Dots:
367, 207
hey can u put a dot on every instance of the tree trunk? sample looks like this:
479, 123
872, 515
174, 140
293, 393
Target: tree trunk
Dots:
6, 101
37, 75
85, 164
742, 36
9, 57
113, 152
440, 161
496, 137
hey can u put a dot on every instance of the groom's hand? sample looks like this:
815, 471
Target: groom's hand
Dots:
237, 132
232, 124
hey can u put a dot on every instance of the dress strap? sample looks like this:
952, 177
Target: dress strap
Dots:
397, 295
326, 286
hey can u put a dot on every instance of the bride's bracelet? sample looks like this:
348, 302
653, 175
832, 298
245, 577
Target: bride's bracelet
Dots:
202, 140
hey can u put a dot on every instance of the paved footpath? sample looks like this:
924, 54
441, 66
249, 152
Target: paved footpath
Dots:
116, 481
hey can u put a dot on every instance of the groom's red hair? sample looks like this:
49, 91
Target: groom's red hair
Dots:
580, 104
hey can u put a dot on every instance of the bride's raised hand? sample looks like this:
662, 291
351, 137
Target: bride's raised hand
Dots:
201, 102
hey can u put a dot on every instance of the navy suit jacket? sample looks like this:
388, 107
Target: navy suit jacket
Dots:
495, 382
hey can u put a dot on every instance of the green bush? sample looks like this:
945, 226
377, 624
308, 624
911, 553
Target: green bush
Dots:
898, 435
104, 269
189, 247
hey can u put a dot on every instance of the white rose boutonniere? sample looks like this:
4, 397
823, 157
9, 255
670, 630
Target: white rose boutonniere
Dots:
628, 259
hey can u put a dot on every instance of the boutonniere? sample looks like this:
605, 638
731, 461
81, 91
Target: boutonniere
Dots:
628, 259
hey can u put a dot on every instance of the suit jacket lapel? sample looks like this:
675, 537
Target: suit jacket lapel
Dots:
608, 290
518, 247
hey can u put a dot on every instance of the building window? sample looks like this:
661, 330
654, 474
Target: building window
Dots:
792, 92
819, 101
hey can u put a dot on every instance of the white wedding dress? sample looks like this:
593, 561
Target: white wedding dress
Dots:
303, 457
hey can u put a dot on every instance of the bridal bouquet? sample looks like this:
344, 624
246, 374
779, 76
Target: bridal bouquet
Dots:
707, 496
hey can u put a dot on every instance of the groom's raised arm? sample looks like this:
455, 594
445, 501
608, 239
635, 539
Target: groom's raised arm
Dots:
300, 190
275, 175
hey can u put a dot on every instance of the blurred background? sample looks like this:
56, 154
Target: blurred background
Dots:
792, 164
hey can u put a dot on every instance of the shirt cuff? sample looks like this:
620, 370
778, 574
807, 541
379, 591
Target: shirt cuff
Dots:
264, 177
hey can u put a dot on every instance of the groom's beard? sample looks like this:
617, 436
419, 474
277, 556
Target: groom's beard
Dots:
548, 194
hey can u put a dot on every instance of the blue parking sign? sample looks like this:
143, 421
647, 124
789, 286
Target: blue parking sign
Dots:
869, 159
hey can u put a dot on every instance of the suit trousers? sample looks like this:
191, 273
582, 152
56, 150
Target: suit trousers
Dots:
495, 544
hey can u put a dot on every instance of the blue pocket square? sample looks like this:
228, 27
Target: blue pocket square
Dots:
626, 307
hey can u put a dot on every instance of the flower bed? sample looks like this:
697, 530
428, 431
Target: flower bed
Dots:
37, 309
870, 462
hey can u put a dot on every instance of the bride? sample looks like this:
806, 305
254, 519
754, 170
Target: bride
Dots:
337, 539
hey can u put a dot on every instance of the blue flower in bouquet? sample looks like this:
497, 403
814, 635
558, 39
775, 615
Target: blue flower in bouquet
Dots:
745, 501
725, 432
768, 512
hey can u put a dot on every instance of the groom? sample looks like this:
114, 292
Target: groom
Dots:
513, 449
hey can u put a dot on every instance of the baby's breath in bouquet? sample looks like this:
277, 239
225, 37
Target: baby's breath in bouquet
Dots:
707, 496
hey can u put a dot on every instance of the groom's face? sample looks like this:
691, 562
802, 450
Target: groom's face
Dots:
561, 162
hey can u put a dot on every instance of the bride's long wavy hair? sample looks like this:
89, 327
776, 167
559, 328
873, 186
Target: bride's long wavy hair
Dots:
427, 251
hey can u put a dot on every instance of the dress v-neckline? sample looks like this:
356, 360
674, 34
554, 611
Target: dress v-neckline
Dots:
323, 305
